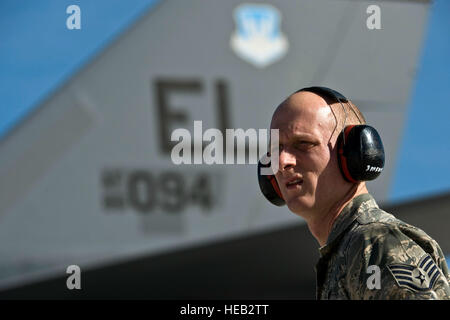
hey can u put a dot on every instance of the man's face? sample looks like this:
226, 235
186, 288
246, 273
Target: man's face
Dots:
308, 175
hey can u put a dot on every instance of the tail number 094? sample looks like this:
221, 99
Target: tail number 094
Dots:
144, 191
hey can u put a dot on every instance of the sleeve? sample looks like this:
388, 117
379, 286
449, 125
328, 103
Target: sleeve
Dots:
384, 263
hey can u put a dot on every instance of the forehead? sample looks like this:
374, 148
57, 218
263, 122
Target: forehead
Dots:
303, 113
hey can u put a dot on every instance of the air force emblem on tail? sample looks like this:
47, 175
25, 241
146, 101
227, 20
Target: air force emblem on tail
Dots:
258, 38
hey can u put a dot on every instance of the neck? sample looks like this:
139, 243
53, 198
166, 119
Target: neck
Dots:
321, 227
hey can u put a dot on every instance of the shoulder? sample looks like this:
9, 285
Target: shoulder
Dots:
397, 240
409, 260
381, 241
384, 238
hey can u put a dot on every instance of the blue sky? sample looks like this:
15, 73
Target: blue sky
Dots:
38, 54
422, 168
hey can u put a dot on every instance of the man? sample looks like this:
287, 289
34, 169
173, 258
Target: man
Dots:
365, 252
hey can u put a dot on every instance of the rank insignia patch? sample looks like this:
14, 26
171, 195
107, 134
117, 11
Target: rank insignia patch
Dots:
420, 278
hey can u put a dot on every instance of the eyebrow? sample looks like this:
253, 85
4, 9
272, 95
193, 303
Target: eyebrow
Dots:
303, 136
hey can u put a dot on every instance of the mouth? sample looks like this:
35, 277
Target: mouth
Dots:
294, 183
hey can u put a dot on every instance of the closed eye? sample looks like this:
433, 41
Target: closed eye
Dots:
300, 145
304, 144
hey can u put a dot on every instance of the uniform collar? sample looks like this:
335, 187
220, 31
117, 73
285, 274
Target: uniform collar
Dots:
346, 218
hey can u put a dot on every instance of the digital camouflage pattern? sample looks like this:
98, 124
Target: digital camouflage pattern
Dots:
411, 263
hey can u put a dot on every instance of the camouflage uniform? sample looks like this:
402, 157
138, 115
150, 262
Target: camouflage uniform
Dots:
411, 263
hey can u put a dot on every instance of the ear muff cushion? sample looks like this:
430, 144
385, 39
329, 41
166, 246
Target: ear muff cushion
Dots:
342, 156
362, 157
269, 187
274, 183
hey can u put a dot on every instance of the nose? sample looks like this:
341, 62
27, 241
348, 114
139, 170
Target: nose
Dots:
287, 160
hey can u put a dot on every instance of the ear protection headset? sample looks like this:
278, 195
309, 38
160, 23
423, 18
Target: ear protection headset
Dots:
359, 147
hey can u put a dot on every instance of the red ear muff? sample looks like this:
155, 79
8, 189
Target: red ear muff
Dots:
269, 186
361, 155
274, 183
342, 158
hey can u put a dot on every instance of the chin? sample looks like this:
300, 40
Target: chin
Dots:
299, 205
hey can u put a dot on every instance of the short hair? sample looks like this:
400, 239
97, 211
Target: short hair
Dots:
345, 112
